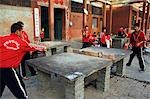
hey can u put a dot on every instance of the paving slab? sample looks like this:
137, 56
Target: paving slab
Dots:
133, 90
133, 70
117, 84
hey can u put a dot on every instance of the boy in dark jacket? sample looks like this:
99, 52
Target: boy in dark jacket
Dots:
137, 40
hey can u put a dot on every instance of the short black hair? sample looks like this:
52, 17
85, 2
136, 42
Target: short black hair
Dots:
86, 26
15, 27
136, 24
104, 28
20, 23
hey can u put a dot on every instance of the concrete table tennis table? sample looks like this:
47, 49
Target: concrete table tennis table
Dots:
118, 42
73, 69
55, 47
115, 55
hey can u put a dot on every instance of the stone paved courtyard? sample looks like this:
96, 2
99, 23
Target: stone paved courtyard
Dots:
121, 88
135, 85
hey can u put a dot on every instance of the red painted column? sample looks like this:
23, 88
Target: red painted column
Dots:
51, 19
147, 18
143, 16
110, 19
104, 15
84, 15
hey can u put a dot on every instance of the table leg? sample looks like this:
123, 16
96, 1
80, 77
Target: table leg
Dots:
43, 80
68, 49
103, 80
120, 69
74, 89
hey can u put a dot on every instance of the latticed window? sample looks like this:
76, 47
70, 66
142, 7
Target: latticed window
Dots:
97, 10
76, 7
134, 17
94, 22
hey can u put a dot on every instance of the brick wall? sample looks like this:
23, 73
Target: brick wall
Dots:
11, 14
120, 18
75, 30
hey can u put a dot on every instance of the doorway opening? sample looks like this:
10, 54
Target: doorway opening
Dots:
58, 23
44, 22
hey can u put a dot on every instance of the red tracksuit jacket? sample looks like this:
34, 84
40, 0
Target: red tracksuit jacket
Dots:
136, 38
25, 37
12, 49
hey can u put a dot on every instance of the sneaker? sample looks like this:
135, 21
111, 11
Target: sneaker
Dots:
25, 78
128, 64
142, 70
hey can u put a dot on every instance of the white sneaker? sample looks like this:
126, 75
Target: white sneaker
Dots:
141, 70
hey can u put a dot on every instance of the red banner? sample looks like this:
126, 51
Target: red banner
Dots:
45, 0
59, 1
42, 0
56, 1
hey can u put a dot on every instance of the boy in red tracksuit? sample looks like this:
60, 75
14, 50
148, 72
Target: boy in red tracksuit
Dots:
42, 35
12, 49
92, 39
137, 41
85, 37
103, 37
22, 68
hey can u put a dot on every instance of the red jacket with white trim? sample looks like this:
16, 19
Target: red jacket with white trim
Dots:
12, 49
24, 36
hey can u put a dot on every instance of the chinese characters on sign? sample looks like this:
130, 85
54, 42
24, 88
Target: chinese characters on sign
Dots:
36, 20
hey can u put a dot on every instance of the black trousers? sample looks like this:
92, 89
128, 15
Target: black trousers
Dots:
86, 44
22, 68
11, 79
103, 45
138, 52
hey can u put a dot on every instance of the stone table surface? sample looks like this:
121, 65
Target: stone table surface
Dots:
114, 51
53, 44
117, 53
69, 64
120, 87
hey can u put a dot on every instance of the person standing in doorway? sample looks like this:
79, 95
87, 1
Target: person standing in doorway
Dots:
22, 68
137, 41
42, 35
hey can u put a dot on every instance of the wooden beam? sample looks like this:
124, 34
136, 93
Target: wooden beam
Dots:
139, 1
143, 15
104, 15
129, 2
147, 18
101, 1
110, 19
89, 22
84, 15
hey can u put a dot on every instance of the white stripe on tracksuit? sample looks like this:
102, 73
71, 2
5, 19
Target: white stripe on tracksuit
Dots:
20, 70
17, 78
142, 57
